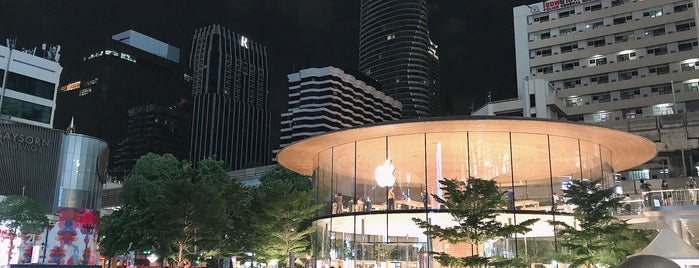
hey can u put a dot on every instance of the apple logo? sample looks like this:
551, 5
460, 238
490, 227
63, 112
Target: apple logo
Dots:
384, 174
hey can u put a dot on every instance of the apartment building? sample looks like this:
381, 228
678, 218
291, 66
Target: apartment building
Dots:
608, 59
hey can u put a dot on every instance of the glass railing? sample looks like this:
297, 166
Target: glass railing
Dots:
675, 197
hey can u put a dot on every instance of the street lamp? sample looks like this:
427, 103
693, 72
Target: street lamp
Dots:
152, 257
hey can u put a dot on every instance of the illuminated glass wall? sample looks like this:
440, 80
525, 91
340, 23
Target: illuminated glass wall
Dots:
366, 224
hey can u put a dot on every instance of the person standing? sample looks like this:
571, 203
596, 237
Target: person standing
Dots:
667, 194
510, 198
367, 205
554, 202
691, 188
391, 199
647, 195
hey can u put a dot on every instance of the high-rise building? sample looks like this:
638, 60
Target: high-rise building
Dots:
114, 79
395, 49
231, 118
28, 82
327, 99
152, 128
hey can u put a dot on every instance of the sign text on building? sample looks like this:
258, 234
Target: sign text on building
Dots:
556, 4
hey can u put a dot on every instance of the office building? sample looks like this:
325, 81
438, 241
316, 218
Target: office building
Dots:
112, 80
231, 118
395, 49
157, 129
28, 82
328, 99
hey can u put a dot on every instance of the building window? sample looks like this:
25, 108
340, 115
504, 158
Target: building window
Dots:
661, 89
573, 101
544, 18
29, 85
566, 30
683, 7
601, 98
571, 83
594, 25
532, 100
691, 86
545, 69
602, 79
616, 3
684, 26
539, 36
543, 52
629, 94
596, 43
566, 13
626, 56
655, 31
601, 117
623, 19
596, 7
85, 91
659, 69
661, 50
684, 46
598, 61
689, 66
639, 174
570, 65
26, 110
623, 37
569, 47
627, 75
654, 12
663, 109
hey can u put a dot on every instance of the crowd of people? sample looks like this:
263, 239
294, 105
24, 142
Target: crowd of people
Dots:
688, 193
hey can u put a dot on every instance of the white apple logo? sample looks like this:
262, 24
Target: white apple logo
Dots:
384, 174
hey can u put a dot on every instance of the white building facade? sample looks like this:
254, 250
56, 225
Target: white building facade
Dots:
608, 60
327, 99
28, 82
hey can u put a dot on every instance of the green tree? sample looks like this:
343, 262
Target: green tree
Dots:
180, 212
473, 205
284, 204
21, 215
599, 235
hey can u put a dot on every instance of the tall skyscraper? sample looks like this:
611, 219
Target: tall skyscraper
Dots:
395, 49
231, 119
327, 99
114, 79
28, 82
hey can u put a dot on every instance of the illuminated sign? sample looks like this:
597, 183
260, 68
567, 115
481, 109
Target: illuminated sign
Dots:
556, 4
121, 55
244, 42
71, 86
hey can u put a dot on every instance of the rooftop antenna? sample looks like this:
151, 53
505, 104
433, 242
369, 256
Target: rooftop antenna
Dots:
11, 42
71, 127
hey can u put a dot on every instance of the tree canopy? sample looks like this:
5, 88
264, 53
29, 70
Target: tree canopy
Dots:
597, 238
284, 206
179, 211
22, 215
473, 205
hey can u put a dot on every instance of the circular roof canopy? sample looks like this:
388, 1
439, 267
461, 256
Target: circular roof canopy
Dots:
530, 139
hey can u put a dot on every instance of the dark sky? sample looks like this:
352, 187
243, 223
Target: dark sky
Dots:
475, 37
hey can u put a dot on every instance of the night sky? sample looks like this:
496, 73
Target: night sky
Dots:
475, 37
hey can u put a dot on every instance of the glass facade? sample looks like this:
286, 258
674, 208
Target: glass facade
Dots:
366, 224
26, 110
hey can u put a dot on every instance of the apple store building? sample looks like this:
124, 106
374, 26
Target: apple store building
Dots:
373, 180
